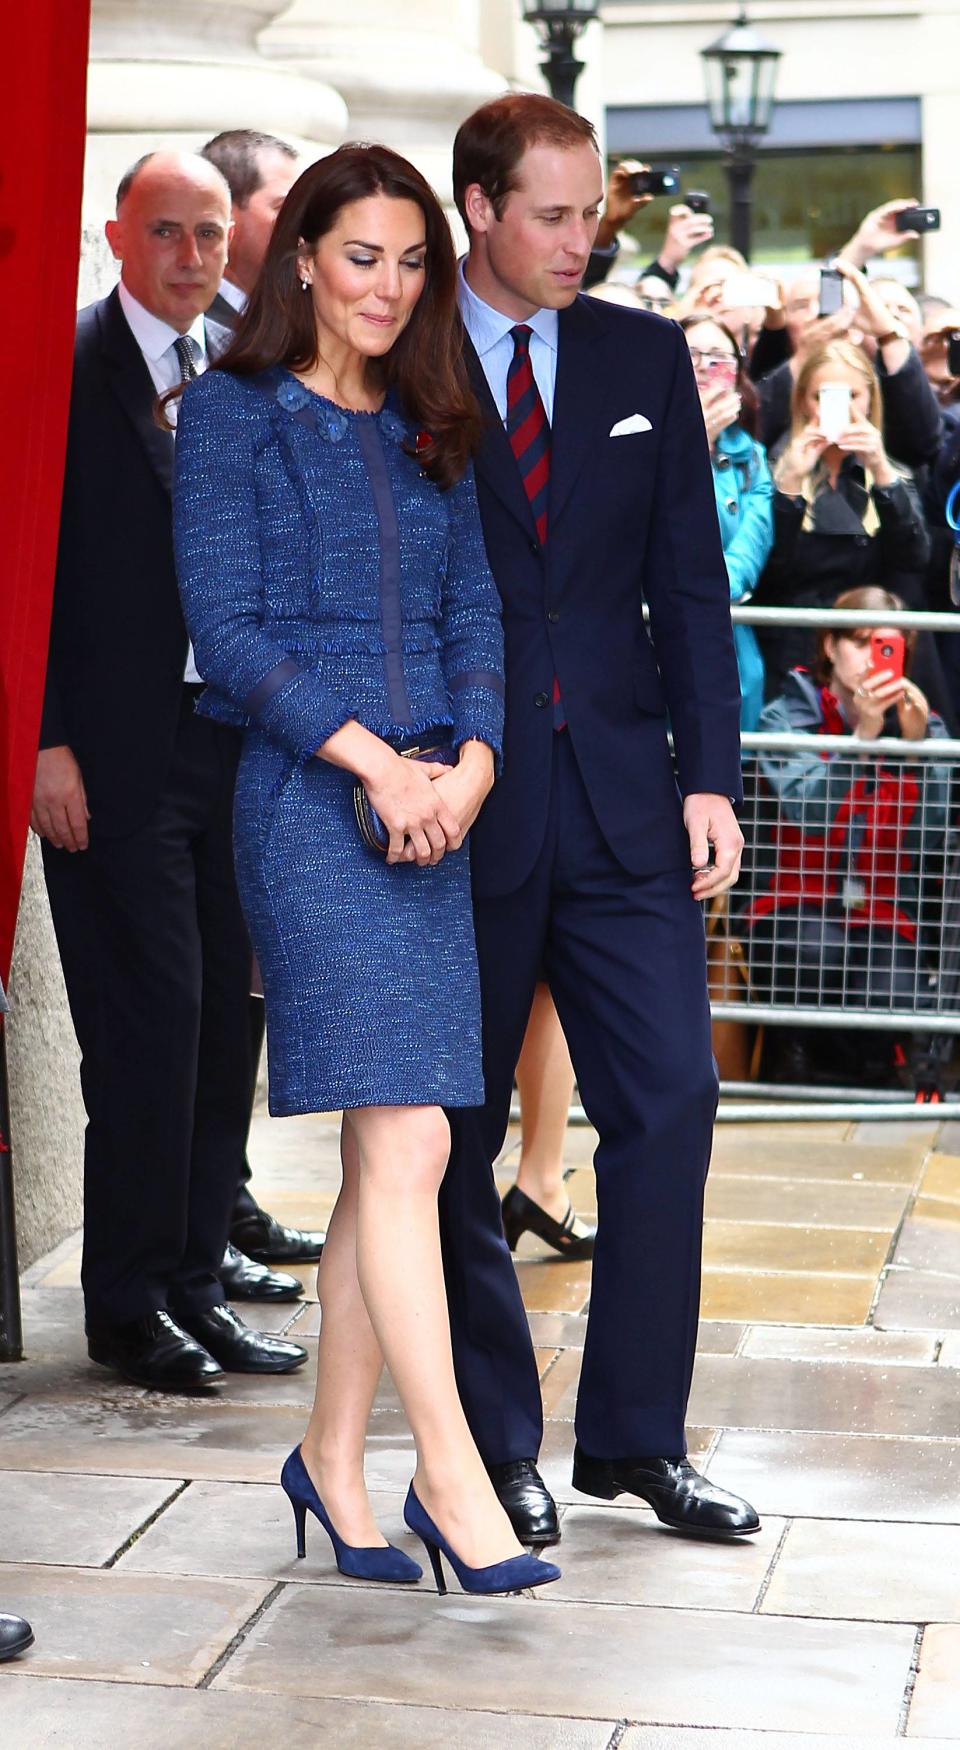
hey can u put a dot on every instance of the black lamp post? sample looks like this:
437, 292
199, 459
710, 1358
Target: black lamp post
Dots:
740, 69
560, 22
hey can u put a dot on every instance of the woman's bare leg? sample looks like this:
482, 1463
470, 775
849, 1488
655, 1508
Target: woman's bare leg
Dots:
545, 1084
349, 1365
403, 1155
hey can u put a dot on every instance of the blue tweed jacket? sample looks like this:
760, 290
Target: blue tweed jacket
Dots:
323, 576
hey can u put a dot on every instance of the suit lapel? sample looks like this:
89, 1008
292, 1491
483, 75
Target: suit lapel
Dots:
495, 462
575, 403
132, 384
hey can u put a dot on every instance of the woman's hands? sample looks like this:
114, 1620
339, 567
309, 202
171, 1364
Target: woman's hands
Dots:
874, 697
865, 442
463, 789
420, 821
721, 407
800, 458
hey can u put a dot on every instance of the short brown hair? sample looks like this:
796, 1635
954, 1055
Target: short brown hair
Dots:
491, 142
236, 154
873, 600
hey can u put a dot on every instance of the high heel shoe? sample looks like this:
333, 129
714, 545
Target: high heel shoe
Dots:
513, 1575
359, 1564
521, 1215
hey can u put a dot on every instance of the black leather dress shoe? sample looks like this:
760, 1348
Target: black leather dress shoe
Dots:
244, 1279
262, 1237
526, 1500
237, 1348
570, 1237
155, 1351
679, 1495
16, 1636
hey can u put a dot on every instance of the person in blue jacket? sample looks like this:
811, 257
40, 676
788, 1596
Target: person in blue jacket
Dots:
741, 480
335, 586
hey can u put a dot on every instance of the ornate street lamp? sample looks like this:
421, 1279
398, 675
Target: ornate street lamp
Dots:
740, 70
559, 23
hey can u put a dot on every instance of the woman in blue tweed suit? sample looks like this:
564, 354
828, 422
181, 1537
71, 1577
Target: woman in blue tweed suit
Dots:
341, 608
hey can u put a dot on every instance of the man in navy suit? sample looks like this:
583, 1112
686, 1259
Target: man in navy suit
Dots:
133, 799
589, 858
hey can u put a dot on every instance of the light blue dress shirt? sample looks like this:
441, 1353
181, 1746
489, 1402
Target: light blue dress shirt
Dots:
489, 331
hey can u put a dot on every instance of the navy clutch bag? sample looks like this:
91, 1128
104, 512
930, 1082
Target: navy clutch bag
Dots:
372, 830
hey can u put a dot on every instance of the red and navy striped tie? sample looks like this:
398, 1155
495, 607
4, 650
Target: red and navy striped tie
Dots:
529, 432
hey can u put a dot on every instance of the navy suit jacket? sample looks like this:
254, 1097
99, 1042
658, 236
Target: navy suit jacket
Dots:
632, 519
118, 643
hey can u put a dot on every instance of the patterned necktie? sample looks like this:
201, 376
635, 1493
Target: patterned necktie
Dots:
529, 434
183, 347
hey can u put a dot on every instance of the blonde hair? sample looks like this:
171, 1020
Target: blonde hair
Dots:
835, 352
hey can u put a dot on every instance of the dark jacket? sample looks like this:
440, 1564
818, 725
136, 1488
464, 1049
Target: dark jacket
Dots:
809, 569
912, 421
118, 643
631, 518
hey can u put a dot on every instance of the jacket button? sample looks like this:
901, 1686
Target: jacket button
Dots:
535, 548
540, 700
553, 616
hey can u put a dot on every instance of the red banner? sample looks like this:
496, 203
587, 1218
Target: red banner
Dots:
44, 49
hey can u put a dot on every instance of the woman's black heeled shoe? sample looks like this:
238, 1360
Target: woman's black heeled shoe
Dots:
521, 1215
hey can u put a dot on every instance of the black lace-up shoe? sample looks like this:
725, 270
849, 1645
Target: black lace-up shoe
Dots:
262, 1237
680, 1497
244, 1279
154, 1351
237, 1348
526, 1500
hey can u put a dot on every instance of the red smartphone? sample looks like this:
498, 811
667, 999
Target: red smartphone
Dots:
887, 652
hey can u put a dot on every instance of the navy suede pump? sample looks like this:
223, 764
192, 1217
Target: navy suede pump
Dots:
515, 1574
359, 1564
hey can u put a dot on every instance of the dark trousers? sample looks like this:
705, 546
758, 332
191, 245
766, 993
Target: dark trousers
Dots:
625, 960
244, 1203
156, 960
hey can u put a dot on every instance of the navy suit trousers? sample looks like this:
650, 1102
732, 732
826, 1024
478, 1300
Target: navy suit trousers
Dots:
624, 956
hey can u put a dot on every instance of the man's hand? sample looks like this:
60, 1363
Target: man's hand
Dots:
877, 233
60, 811
710, 820
621, 202
685, 231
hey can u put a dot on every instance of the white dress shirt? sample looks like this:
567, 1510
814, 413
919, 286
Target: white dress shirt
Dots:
236, 298
156, 339
489, 331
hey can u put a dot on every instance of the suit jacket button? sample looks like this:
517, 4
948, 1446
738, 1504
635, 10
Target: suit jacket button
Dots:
553, 616
540, 700
535, 548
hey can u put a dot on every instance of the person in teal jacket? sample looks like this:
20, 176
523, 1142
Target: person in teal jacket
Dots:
742, 483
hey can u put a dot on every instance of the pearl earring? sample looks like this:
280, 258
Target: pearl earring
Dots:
304, 285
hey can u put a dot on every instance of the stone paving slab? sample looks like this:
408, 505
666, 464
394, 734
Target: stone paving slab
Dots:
692, 1738
135, 1628
627, 1558
761, 1246
806, 1202
925, 1244
73, 1521
790, 1297
867, 1572
866, 1346
936, 1697
838, 1476
248, 1532
43, 1712
918, 1300
744, 1154
688, 1667
737, 1392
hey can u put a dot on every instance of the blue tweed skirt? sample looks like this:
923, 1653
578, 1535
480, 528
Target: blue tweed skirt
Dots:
369, 972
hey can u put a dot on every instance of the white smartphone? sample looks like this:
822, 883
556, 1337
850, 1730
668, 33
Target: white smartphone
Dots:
834, 401
744, 291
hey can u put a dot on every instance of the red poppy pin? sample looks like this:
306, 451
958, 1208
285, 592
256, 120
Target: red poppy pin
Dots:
422, 441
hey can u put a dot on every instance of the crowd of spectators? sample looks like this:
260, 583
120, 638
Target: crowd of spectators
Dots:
831, 400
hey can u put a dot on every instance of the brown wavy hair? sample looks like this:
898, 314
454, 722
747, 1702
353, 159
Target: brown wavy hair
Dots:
425, 367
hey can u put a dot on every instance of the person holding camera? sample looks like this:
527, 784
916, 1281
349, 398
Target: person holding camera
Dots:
844, 514
686, 228
742, 483
835, 914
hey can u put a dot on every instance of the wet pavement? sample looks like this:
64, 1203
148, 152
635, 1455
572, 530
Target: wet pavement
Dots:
147, 1540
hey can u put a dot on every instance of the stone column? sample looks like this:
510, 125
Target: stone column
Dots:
408, 74
175, 73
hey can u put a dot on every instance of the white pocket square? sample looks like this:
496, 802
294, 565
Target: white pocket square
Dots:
625, 427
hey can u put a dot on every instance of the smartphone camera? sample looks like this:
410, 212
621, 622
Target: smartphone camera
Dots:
831, 291
953, 352
697, 200
657, 180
